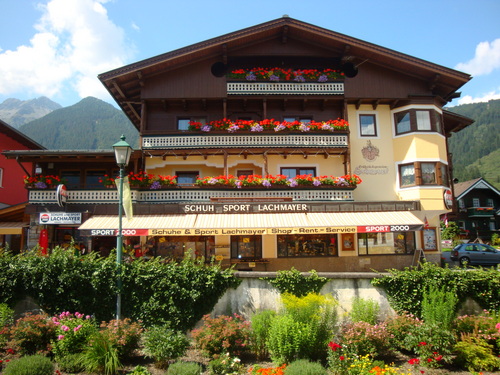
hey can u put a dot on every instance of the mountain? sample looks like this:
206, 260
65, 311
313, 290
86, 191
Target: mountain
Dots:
87, 125
17, 112
476, 149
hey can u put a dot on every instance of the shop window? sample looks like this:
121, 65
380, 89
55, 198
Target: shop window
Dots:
418, 120
386, 243
246, 247
419, 173
183, 123
292, 172
367, 125
307, 245
72, 178
175, 247
92, 178
187, 178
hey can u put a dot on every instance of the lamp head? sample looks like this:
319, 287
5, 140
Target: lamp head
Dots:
122, 152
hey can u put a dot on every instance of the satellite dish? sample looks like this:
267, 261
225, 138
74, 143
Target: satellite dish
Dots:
350, 70
219, 69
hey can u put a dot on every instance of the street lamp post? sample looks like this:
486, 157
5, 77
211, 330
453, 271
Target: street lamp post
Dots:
122, 155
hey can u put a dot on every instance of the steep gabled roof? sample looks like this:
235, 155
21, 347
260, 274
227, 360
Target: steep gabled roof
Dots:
463, 188
124, 83
19, 137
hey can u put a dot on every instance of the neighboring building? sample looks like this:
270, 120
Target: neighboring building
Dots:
477, 209
13, 196
395, 141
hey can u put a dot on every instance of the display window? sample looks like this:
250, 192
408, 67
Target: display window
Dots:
246, 247
386, 243
176, 246
309, 245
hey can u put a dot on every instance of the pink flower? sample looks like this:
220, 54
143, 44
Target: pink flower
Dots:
65, 328
60, 337
77, 328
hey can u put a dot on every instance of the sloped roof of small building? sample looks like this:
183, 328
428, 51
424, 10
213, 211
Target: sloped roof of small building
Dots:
19, 137
463, 188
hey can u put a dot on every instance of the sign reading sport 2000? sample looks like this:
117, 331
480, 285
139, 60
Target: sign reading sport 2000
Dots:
60, 218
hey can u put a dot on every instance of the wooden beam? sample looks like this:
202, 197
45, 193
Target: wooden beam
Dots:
141, 81
118, 89
358, 103
375, 104
284, 34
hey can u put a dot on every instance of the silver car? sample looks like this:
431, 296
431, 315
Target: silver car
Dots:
475, 254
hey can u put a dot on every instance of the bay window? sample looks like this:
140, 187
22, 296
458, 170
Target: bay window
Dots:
418, 120
423, 173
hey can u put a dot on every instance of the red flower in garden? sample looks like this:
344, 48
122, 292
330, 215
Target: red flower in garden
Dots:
422, 343
414, 361
334, 346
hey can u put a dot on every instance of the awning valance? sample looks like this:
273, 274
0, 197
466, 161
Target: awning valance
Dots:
258, 224
12, 227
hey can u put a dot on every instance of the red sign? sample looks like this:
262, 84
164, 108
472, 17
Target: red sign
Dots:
43, 241
448, 199
388, 228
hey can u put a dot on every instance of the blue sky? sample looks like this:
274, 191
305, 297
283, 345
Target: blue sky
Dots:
56, 48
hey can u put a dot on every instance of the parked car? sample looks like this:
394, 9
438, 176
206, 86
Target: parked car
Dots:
475, 254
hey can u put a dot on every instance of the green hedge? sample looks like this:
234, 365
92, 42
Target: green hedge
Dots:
405, 288
154, 291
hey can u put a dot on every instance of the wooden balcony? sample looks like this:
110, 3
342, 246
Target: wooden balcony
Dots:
480, 212
285, 88
192, 194
245, 140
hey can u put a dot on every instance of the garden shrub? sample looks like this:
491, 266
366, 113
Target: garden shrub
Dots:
439, 306
139, 370
366, 339
72, 333
6, 315
163, 344
70, 363
259, 333
30, 365
185, 368
475, 354
305, 367
312, 306
364, 310
32, 334
225, 364
482, 326
399, 327
222, 334
294, 282
101, 355
123, 334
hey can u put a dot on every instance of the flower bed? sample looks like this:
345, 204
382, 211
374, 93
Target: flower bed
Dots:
270, 181
280, 74
39, 181
269, 125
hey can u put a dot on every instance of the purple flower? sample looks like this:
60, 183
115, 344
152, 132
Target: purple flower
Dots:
326, 127
206, 128
280, 127
233, 128
251, 77
266, 183
41, 185
256, 128
155, 185
293, 183
212, 181
299, 79
238, 184
304, 128
317, 182
322, 78
274, 78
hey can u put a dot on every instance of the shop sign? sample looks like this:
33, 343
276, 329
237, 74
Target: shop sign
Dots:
60, 218
388, 228
114, 232
245, 207
448, 199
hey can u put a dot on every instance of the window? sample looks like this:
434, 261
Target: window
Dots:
244, 172
418, 120
490, 203
303, 120
186, 178
175, 247
72, 178
461, 203
367, 125
475, 202
292, 172
423, 173
307, 245
246, 247
407, 175
183, 123
428, 173
386, 243
92, 178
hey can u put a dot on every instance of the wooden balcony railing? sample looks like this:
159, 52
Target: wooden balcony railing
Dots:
285, 88
216, 140
103, 196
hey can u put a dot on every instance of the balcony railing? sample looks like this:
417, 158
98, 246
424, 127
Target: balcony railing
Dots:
211, 140
285, 88
177, 195
480, 211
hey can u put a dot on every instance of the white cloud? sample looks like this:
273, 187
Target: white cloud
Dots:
74, 42
485, 98
486, 59
135, 27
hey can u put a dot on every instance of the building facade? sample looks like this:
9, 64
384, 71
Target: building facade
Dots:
291, 146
